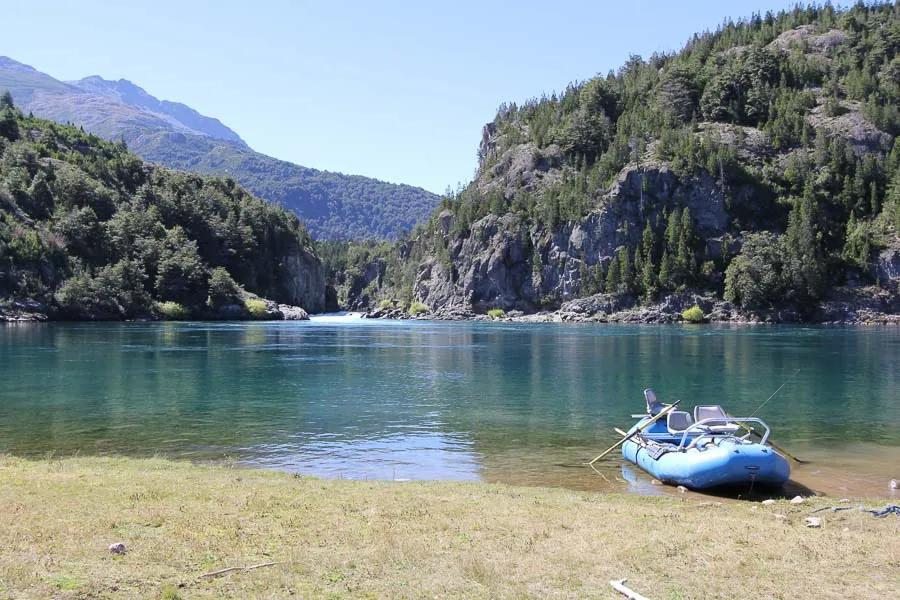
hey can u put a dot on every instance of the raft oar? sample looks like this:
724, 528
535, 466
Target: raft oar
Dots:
627, 437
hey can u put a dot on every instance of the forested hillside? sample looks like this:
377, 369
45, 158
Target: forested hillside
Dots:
89, 231
758, 164
333, 205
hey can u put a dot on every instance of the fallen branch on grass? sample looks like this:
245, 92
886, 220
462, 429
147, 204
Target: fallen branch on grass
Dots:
619, 586
234, 569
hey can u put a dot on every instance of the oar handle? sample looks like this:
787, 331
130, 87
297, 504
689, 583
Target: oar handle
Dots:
774, 445
656, 418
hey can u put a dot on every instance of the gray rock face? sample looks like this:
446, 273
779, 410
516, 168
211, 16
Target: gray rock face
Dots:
303, 281
852, 126
887, 265
506, 263
806, 36
292, 313
598, 303
860, 305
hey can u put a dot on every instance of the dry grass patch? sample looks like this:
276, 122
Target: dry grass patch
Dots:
378, 539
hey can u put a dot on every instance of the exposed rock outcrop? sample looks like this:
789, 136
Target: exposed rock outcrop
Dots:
805, 38
507, 263
887, 264
303, 280
860, 133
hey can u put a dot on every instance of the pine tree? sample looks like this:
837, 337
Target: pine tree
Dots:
673, 230
6, 101
627, 270
649, 280
638, 266
9, 125
874, 200
805, 257
648, 244
665, 271
684, 258
613, 276
597, 273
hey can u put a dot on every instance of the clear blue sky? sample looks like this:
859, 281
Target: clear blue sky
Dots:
394, 90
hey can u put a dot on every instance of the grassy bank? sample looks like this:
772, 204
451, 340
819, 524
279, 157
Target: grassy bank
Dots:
377, 539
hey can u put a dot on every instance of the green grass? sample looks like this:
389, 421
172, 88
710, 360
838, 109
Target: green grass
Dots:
172, 311
417, 308
377, 539
65, 583
496, 313
693, 315
257, 309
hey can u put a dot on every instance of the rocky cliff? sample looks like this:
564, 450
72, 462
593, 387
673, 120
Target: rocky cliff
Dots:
511, 263
751, 173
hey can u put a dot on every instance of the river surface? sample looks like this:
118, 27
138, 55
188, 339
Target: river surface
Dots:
517, 403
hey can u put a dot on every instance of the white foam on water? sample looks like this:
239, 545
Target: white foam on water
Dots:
338, 317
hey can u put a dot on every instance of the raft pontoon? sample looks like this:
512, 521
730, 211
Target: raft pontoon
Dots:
704, 450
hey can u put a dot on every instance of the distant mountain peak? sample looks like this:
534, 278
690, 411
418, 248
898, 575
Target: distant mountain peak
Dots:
10, 64
125, 90
131, 94
172, 134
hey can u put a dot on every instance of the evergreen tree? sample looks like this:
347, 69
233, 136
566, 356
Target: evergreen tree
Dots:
614, 276
649, 280
805, 258
673, 229
666, 267
9, 124
627, 270
223, 289
858, 245
181, 277
684, 257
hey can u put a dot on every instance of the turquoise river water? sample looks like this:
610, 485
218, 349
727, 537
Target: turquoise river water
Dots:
524, 404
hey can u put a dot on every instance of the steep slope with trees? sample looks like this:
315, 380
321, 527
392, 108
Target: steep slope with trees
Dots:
89, 231
758, 164
333, 205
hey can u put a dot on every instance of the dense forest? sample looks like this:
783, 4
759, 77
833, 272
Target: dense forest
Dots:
757, 164
89, 231
332, 205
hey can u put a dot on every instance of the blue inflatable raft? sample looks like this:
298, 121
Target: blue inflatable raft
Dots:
704, 450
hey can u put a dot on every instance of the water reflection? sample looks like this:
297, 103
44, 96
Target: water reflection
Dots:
356, 398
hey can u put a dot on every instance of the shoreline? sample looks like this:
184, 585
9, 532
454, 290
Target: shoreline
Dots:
844, 306
179, 521
848, 306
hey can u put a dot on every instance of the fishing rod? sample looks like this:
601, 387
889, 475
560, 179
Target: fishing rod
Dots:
786, 381
760, 407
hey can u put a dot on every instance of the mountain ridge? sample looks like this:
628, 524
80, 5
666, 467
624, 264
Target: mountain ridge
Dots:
333, 205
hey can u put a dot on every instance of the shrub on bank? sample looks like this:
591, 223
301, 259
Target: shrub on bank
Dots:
257, 309
222, 288
496, 313
172, 311
417, 308
693, 315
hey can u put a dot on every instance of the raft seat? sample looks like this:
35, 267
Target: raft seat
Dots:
678, 420
714, 411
